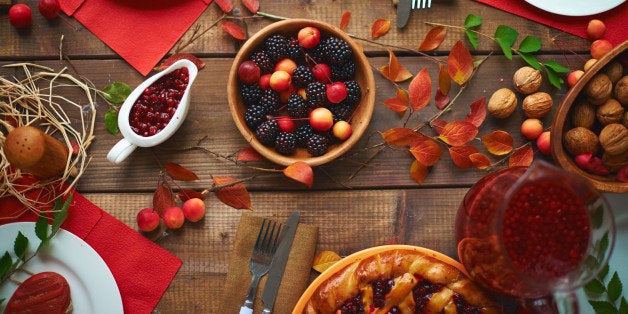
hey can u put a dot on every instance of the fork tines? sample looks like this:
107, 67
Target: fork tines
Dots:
268, 237
421, 4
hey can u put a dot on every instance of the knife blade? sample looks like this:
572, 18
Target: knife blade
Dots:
403, 12
278, 265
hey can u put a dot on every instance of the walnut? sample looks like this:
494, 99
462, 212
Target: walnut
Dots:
625, 121
580, 140
598, 89
537, 105
621, 90
614, 71
614, 162
610, 112
583, 114
502, 103
614, 139
527, 80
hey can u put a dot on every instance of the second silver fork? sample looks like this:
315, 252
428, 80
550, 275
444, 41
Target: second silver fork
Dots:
421, 4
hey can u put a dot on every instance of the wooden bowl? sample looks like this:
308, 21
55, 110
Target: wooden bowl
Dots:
562, 124
361, 115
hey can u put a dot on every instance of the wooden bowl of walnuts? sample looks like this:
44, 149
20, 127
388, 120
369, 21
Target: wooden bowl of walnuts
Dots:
589, 134
301, 90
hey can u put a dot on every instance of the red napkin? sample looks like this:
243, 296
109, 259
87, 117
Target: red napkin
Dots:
615, 19
140, 31
142, 269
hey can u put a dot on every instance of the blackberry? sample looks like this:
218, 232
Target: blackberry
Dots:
267, 132
269, 99
303, 133
301, 76
254, 116
276, 46
336, 50
286, 143
297, 107
251, 93
341, 111
343, 72
316, 94
263, 60
317, 54
354, 93
294, 50
317, 145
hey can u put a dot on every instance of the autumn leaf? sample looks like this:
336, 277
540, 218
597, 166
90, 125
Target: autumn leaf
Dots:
420, 90
498, 142
391, 70
438, 125
426, 151
180, 173
460, 63
458, 133
235, 195
344, 20
460, 155
380, 27
418, 172
478, 112
441, 100
444, 81
522, 156
401, 136
324, 260
248, 154
399, 103
251, 5
402, 74
178, 56
480, 160
433, 38
301, 172
163, 198
234, 30
186, 194
225, 5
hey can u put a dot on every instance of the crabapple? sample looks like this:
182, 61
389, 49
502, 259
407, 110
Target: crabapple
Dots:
336, 92
600, 47
321, 119
596, 29
322, 73
280, 81
20, 15
173, 217
589, 64
531, 128
264, 81
286, 124
543, 143
194, 209
249, 72
147, 219
309, 37
342, 130
573, 77
285, 64
49, 8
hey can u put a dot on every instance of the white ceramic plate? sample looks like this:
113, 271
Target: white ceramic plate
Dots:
92, 286
575, 7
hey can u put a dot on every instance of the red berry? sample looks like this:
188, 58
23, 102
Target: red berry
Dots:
20, 15
173, 217
194, 209
286, 124
309, 37
321, 119
543, 143
322, 73
336, 92
249, 72
49, 8
147, 219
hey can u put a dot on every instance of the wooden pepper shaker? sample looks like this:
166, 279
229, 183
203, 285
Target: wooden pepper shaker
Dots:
29, 149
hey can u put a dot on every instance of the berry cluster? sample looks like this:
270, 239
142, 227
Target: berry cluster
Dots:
300, 91
173, 217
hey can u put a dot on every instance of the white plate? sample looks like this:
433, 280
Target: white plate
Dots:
92, 286
575, 7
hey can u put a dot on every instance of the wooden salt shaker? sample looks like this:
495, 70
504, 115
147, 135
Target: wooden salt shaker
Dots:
29, 149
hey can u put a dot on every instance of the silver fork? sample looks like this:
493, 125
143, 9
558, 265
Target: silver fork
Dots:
421, 4
262, 255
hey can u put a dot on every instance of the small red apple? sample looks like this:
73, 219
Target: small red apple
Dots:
342, 130
321, 119
280, 81
49, 8
173, 217
309, 37
336, 92
600, 47
322, 73
20, 15
573, 77
264, 81
147, 219
249, 72
531, 128
596, 29
286, 64
286, 124
194, 209
543, 143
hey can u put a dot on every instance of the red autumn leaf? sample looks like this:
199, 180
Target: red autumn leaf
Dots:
235, 30
344, 20
380, 27
251, 5
460, 63
301, 172
478, 112
180, 173
178, 56
426, 151
444, 81
163, 198
225, 5
498, 142
234, 195
420, 90
401, 136
418, 172
522, 156
438, 125
402, 74
248, 154
460, 155
458, 133
480, 160
186, 194
433, 38
393, 66
399, 103
441, 100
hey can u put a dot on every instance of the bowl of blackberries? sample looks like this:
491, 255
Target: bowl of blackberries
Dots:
301, 90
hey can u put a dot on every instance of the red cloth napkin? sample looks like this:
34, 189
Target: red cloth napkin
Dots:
615, 19
142, 269
140, 31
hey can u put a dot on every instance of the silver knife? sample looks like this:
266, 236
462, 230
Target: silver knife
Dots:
403, 12
278, 264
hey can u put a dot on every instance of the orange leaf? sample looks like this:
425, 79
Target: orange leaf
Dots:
344, 20
420, 90
234, 30
235, 195
401, 136
522, 156
402, 75
444, 81
426, 151
186, 194
225, 5
498, 142
180, 173
178, 56
460, 155
433, 38
251, 5
163, 198
418, 172
478, 112
248, 154
480, 160
300, 172
460, 63
399, 103
440, 100
458, 133
324, 260
393, 65
380, 27
438, 125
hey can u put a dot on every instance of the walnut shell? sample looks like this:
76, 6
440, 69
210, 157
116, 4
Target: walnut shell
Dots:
580, 140
599, 89
621, 90
625, 119
614, 139
610, 112
614, 162
614, 71
527, 80
537, 105
583, 114
502, 103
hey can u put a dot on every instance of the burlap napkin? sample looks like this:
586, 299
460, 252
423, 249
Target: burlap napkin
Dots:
295, 278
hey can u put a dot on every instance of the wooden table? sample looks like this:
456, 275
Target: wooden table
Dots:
381, 202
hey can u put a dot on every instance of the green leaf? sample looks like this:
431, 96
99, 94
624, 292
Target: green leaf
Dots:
20, 245
505, 36
614, 287
530, 44
598, 216
595, 286
603, 245
41, 227
117, 92
5, 264
623, 306
472, 21
530, 59
111, 121
603, 272
554, 78
603, 307
473, 38
556, 67
61, 213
